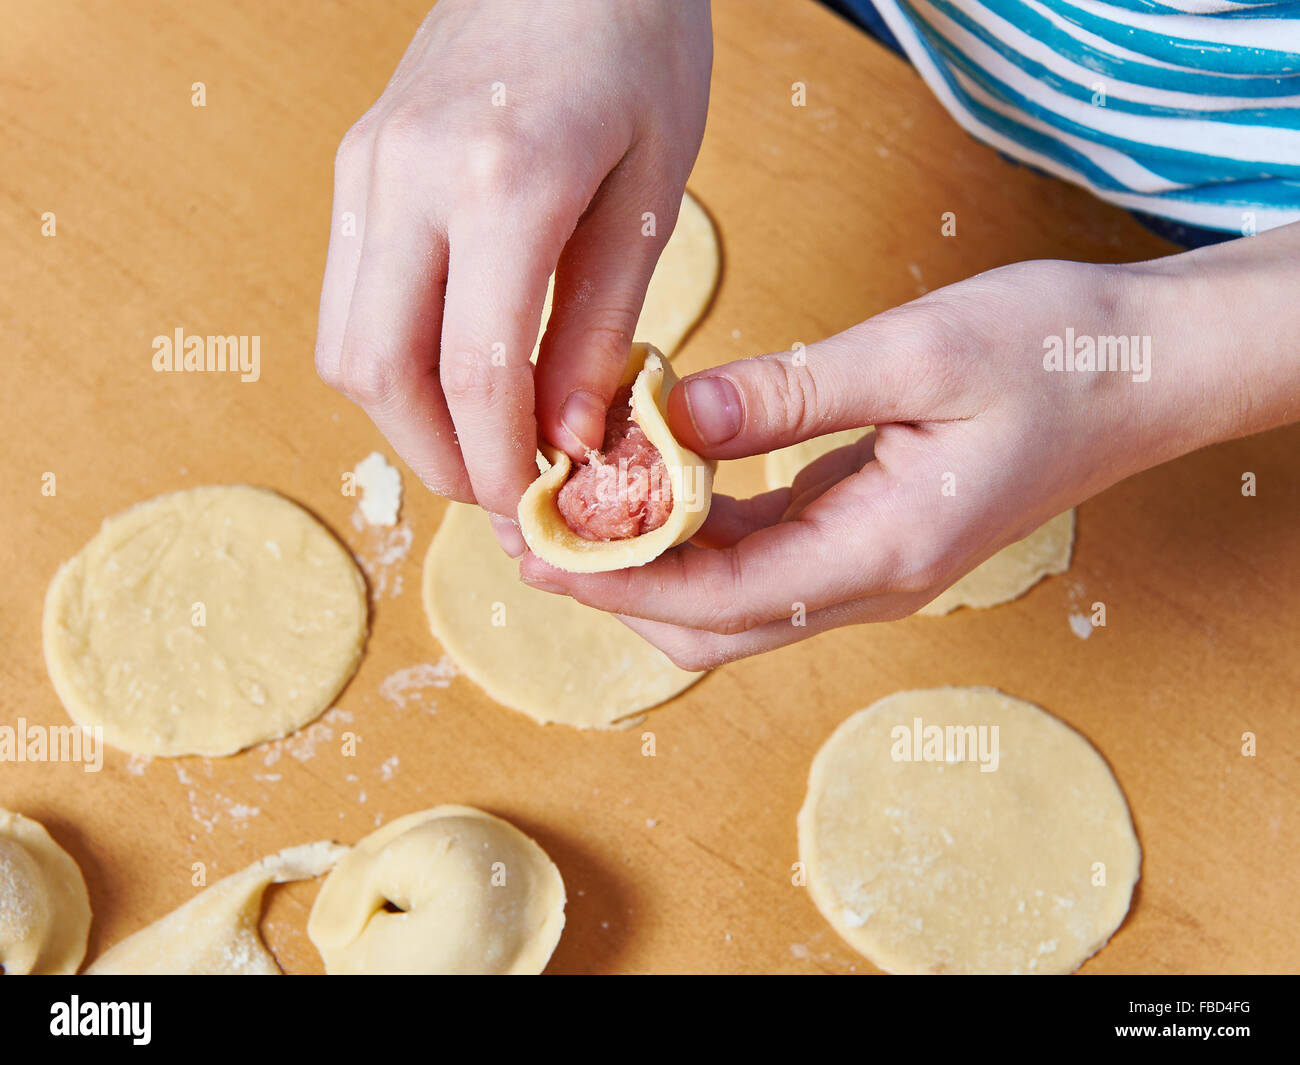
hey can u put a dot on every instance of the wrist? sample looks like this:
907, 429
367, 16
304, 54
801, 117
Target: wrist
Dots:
1223, 322
1171, 403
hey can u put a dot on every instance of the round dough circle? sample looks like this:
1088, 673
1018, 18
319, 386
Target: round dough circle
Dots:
1010, 573
684, 280
1005, 576
44, 906
681, 287
283, 612
933, 866
546, 655
475, 895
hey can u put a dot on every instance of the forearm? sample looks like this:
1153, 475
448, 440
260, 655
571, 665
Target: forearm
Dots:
1225, 329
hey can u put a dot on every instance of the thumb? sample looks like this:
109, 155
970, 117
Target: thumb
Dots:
886, 369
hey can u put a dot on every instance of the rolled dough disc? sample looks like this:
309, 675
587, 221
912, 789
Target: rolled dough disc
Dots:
452, 890
934, 866
44, 906
681, 287
545, 655
1012, 571
215, 933
282, 608
1007, 575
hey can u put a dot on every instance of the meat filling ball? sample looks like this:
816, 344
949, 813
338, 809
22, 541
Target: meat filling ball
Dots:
623, 490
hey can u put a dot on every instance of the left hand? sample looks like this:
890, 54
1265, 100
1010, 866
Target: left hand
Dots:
977, 444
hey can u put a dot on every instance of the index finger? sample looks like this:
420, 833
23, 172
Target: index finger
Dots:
495, 289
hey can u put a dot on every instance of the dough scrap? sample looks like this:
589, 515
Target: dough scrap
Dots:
934, 866
1008, 575
547, 656
44, 906
381, 490
284, 621
681, 287
476, 896
543, 526
215, 933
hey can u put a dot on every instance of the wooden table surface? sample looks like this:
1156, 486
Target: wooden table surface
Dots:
215, 219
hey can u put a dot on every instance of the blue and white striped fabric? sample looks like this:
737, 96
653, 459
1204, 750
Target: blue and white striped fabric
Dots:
1186, 109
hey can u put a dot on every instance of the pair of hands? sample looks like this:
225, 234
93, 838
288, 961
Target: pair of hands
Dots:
463, 208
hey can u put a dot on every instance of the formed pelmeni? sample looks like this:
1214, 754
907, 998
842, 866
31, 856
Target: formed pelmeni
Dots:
44, 906
447, 890
549, 536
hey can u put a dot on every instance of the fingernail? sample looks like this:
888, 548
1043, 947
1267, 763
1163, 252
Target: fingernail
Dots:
583, 415
714, 408
508, 536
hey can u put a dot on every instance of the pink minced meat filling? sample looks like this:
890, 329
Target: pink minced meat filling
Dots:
622, 490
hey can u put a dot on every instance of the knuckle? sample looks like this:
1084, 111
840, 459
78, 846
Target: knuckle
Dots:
559, 201
355, 142
728, 621
686, 658
897, 610
726, 612
443, 473
891, 565
469, 378
495, 496
938, 339
446, 483
695, 654
491, 161
397, 136
920, 574
327, 369
607, 333
369, 376
788, 396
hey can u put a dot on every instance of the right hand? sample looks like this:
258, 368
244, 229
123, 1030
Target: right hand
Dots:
464, 207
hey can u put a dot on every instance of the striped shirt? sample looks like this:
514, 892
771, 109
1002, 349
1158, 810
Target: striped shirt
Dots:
1185, 109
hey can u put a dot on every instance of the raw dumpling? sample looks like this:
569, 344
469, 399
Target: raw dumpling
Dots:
690, 485
452, 890
44, 907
